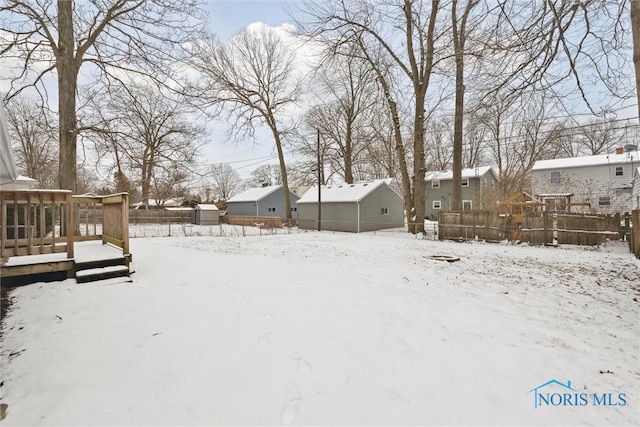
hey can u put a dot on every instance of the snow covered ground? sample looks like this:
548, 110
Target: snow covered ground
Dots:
328, 328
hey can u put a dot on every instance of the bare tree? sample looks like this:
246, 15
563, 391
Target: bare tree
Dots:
109, 38
459, 30
266, 175
33, 138
374, 29
346, 88
635, 29
147, 133
226, 181
253, 78
598, 135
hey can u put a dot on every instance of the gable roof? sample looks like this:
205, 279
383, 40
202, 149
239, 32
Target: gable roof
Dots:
466, 173
256, 194
206, 207
597, 160
343, 192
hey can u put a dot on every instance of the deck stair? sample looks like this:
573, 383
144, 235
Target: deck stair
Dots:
91, 271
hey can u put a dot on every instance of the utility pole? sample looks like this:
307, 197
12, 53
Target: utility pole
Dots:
319, 184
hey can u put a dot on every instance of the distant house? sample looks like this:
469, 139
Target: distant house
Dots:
363, 206
604, 182
207, 214
262, 201
477, 184
635, 192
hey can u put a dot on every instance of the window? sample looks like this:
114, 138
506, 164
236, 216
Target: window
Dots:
466, 205
435, 184
465, 182
555, 177
384, 211
493, 183
619, 171
436, 204
485, 182
271, 209
604, 201
623, 190
293, 210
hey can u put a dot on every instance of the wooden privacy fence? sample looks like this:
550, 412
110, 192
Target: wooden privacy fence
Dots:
536, 227
161, 216
36, 222
251, 221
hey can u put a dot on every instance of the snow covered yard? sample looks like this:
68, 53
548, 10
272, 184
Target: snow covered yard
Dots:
329, 328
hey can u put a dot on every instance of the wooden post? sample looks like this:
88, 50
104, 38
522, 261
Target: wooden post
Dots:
125, 228
69, 224
487, 229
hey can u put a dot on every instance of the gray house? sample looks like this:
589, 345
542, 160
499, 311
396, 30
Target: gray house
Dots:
478, 188
603, 181
262, 201
364, 206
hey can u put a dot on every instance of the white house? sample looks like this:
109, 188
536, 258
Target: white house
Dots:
9, 178
604, 181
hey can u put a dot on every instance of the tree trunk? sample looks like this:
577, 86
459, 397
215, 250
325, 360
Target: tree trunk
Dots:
635, 29
283, 171
418, 164
457, 134
66, 67
348, 153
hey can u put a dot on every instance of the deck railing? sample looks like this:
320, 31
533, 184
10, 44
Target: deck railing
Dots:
104, 218
35, 222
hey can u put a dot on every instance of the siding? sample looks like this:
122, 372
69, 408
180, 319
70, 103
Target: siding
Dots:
371, 217
343, 216
635, 197
445, 192
335, 216
587, 184
273, 200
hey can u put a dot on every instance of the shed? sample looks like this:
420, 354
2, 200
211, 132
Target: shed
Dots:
262, 201
207, 214
363, 206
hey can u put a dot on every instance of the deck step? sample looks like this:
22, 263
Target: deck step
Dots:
101, 273
87, 265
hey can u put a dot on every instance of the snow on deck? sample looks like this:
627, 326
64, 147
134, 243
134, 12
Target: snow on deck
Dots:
83, 252
331, 329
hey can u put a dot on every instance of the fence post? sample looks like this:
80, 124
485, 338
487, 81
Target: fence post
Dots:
487, 230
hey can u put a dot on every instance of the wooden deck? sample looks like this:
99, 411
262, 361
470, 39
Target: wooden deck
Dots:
50, 235
92, 253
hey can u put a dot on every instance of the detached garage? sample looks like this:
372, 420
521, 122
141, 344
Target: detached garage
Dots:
207, 215
364, 206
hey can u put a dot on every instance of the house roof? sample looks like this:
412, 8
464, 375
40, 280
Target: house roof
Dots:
206, 207
597, 160
466, 173
342, 192
254, 194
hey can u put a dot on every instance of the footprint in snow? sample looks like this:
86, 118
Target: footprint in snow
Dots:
291, 410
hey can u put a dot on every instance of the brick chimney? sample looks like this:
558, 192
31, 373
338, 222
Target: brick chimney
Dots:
619, 150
